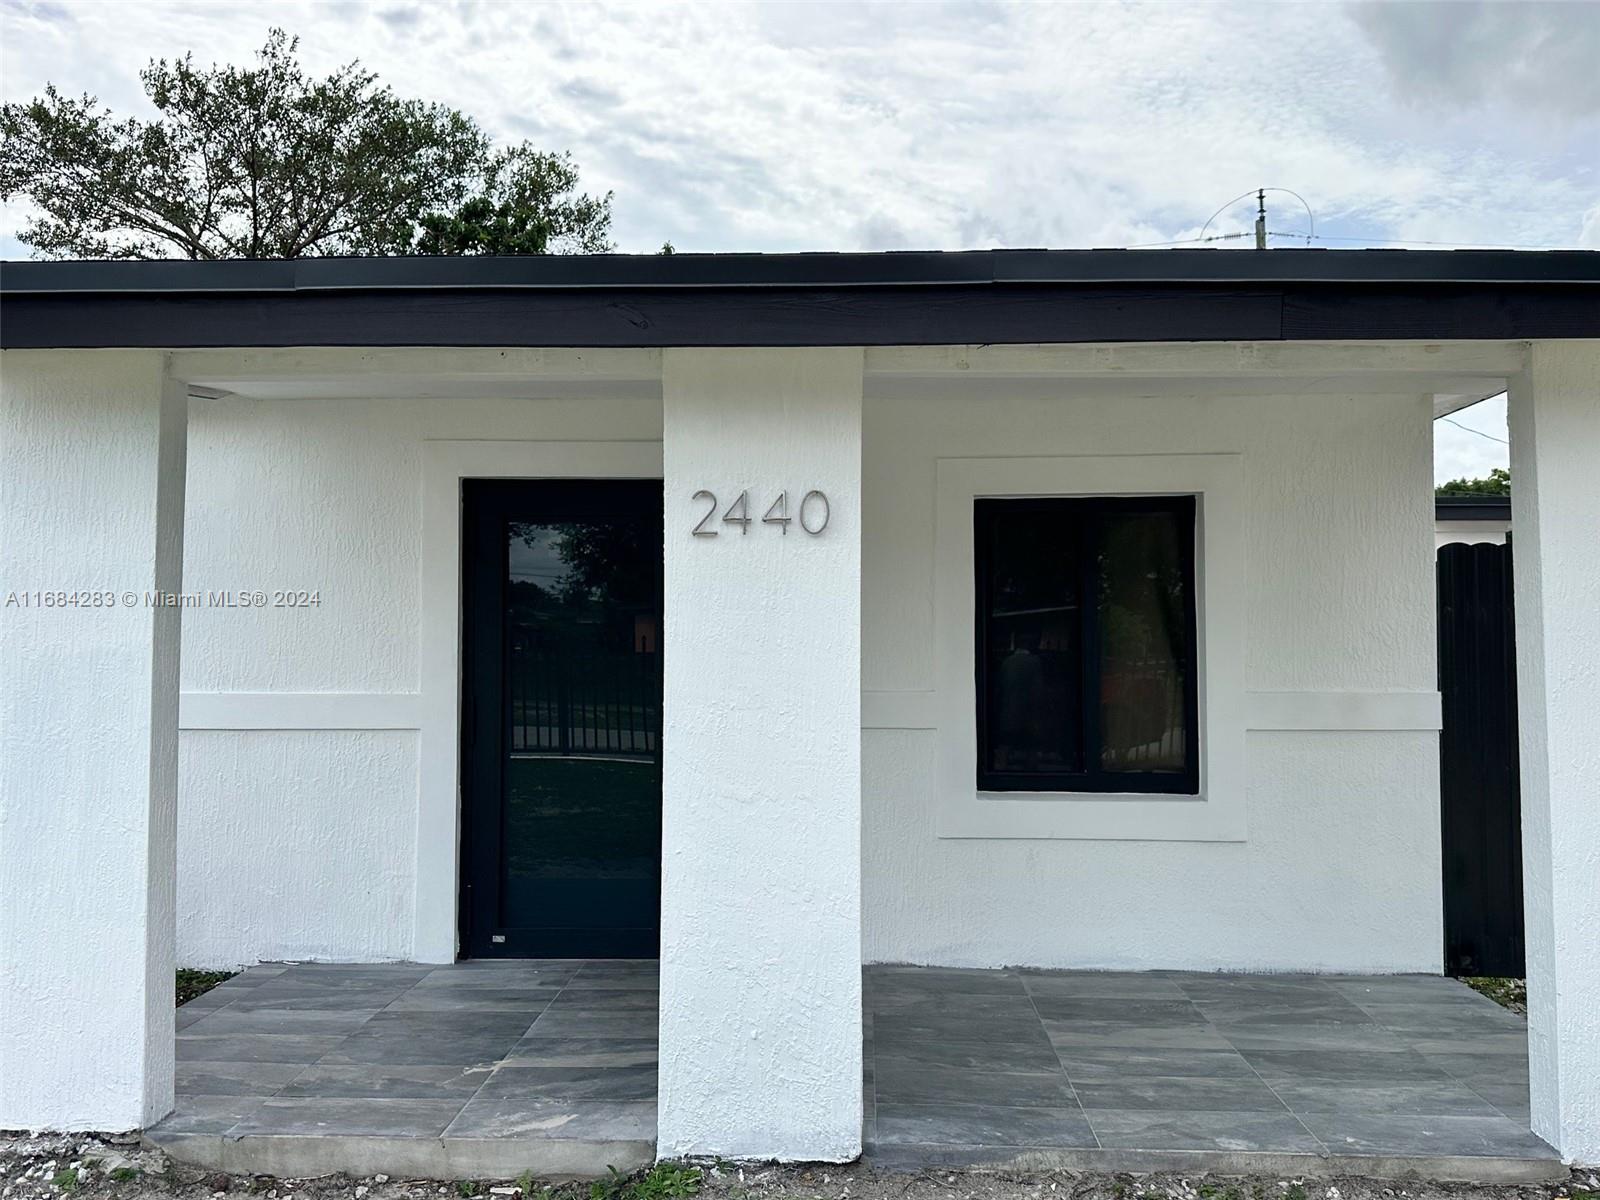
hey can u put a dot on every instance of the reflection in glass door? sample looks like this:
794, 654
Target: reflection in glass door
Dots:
562, 718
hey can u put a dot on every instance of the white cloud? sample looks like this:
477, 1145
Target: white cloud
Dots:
1589, 235
1538, 52
844, 126
1471, 442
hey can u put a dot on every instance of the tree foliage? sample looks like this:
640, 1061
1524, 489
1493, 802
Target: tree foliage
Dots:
1497, 484
527, 203
266, 162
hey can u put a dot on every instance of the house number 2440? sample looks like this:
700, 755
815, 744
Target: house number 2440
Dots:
811, 514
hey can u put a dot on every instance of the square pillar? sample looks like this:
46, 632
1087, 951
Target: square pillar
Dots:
761, 806
92, 446
1555, 524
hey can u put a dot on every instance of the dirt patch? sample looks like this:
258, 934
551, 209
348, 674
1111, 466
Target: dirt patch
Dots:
87, 1167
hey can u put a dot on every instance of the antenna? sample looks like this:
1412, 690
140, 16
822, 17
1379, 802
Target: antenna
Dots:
1261, 217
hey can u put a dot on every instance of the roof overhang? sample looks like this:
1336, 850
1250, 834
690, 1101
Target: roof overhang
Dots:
980, 297
1472, 508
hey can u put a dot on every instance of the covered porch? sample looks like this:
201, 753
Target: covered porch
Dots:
825, 799
496, 1068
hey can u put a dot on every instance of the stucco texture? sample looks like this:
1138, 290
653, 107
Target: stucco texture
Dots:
761, 863
1339, 868
1555, 426
297, 844
302, 843
327, 495
91, 497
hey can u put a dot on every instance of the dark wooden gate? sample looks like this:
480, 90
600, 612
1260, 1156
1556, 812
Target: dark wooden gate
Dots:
1480, 800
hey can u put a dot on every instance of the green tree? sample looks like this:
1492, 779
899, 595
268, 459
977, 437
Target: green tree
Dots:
266, 162
526, 203
1497, 484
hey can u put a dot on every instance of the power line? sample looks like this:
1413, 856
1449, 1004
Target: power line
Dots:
1479, 432
1328, 237
1216, 237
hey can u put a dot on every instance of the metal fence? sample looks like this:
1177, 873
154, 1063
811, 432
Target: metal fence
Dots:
588, 695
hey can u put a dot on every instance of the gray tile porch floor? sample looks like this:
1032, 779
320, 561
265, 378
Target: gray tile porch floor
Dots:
1191, 1070
480, 1069
491, 1068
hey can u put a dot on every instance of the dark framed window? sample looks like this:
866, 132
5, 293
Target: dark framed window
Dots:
1086, 676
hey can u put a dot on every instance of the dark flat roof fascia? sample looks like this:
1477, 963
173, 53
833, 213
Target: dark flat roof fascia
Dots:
831, 270
999, 297
1472, 508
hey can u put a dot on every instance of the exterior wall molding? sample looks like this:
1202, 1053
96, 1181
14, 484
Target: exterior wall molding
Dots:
445, 463
1218, 812
1342, 711
244, 711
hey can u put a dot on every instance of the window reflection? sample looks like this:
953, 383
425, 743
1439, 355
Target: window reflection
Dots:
581, 627
1143, 644
1034, 646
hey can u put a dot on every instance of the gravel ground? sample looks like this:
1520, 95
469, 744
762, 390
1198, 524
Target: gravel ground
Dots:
91, 1167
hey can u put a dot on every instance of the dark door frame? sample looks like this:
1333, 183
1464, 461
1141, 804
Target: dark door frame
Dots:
485, 504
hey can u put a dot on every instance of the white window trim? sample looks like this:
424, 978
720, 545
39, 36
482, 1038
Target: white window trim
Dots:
1218, 812
445, 465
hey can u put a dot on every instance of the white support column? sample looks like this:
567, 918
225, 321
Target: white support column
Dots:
761, 858
1555, 528
92, 448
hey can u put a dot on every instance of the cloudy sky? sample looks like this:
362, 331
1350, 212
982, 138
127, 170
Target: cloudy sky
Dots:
813, 126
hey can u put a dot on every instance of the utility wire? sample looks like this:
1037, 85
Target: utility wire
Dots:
1216, 237
1328, 237
1479, 432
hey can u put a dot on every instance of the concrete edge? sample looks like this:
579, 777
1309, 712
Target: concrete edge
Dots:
301, 1155
1451, 1168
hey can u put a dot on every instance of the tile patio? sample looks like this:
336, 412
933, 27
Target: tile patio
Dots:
473, 1070
486, 1069
1191, 1071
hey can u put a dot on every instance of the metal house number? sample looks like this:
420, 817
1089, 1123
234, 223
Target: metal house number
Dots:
811, 515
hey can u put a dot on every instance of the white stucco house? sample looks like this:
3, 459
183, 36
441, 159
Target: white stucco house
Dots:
773, 615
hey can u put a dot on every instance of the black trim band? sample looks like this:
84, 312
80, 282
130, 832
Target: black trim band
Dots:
933, 315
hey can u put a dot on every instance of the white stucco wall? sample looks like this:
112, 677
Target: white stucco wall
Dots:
1555, 445
297, 843
761, 850
1338, 868
298, 810
91, 502
1339, 864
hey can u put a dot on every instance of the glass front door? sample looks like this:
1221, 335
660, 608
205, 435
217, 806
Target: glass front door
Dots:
561, 719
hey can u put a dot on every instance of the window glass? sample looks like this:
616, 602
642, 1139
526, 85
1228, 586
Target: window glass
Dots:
1034, 644
1144, 631
1085, 642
